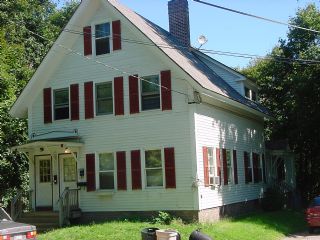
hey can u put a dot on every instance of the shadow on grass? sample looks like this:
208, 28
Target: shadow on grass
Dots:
285, 221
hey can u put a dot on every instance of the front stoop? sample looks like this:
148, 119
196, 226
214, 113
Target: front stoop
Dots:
44, 220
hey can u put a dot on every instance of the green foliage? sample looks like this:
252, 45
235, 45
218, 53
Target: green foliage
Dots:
162, 218
291, 90
21, 52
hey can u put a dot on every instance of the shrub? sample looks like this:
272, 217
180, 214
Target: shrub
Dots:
162, 218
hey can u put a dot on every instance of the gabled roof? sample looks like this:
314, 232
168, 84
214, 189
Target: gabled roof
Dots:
184, 57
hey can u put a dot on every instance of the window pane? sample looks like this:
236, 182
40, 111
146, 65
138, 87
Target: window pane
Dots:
106, 161
247, 92
151, 102
102, 30
104, 90
61, 113
69, 169
61, 104
45, 171
147, 85
102, 46
153, 159
61, 96
104, 100
254, 96
154, 177
106, 180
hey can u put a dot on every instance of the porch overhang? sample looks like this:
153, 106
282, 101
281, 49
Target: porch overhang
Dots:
42, 145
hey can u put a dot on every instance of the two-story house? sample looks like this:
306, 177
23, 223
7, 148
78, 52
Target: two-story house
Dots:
140, 121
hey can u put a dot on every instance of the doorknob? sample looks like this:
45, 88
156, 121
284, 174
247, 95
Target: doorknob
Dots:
55, 179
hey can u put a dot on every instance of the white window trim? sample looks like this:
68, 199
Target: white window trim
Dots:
250, 154
97, 170
231, 165
93, 38
143, 165
140, 92
95, 100
53, 104
214, 156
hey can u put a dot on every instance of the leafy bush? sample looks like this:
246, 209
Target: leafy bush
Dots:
162, 218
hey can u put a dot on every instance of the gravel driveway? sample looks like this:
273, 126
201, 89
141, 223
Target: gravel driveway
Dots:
303, 236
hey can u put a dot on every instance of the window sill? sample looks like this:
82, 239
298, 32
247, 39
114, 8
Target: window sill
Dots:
105, 193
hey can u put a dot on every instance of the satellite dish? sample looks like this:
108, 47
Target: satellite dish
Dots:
202, 40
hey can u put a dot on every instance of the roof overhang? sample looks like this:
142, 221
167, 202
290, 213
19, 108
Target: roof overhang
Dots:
46, 144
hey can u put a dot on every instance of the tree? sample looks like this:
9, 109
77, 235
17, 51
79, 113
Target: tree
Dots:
21, 52
291, 90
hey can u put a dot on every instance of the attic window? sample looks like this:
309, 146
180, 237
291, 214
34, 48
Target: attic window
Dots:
250, 94
102, 40
61, 104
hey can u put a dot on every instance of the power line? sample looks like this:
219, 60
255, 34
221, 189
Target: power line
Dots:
105, 65
258, 17
209, 51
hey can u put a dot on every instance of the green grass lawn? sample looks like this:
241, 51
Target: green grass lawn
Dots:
258, 226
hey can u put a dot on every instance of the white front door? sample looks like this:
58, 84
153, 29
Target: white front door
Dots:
68, 172
43, 168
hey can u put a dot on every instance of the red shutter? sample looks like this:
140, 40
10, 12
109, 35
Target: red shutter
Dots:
116, 35
235, 167
225, 169
91, 172
47, 105
218, 163
205, 166
255, 167
87, 41
118, 96
170, 168
74, 92
134, 94
121, 171
136, 169
246, 166
264, 169
166, 90
88, 99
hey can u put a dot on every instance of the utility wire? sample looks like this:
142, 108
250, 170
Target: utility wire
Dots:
103, 64
258, 17
208, 51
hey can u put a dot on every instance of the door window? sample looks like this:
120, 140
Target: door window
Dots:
45, 170
69, 169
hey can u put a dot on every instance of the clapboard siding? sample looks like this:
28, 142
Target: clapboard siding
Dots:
217, 128
109, 133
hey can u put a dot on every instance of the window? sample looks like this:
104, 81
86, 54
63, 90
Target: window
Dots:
259, 168
61, 104
249, 169
247, 92
253, 96
153, 168
212, 166
102, 33
69, 169
229, 166
45, 171
150, 93
104, 98
106, 171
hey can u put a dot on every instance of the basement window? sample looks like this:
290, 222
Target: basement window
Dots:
61, 104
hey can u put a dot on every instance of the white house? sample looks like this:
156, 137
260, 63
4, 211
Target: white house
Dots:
140, 121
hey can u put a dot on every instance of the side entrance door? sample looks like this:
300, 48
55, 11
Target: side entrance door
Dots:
68, 172
43, 175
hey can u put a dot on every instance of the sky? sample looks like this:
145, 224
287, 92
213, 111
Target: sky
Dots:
226, 31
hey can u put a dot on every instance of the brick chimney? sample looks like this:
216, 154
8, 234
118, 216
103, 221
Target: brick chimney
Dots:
179, 21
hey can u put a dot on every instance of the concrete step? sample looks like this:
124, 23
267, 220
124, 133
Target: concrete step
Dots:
44, 221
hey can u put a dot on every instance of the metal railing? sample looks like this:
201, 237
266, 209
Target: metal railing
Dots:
68, 202
17, 205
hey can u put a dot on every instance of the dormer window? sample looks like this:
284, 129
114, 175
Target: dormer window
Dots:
102, 40
250, 94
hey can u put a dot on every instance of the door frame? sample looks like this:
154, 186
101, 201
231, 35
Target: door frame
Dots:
36, 162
